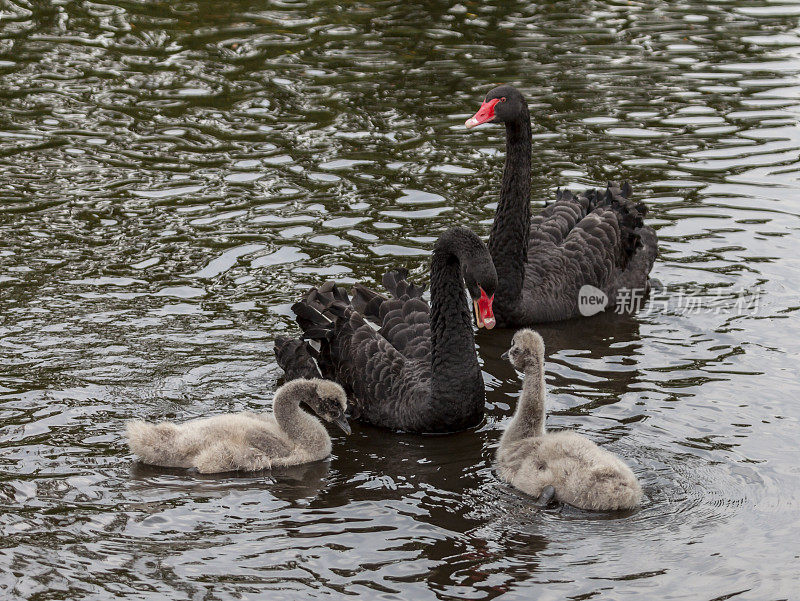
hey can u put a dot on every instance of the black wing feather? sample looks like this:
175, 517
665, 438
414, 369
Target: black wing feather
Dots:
296, 358
598, 238
386, 372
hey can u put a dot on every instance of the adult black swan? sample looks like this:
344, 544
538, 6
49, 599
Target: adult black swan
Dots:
416, 370
597, 238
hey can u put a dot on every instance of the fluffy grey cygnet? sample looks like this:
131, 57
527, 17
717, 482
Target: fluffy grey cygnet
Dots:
248, 441
562, 464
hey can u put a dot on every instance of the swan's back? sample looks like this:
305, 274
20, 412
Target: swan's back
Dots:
597, 238
404, 319
618, 220
179, 445
582, 473
387, 372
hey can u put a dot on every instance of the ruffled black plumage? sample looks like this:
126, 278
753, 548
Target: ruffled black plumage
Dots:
298, 358
595, 238
406, 365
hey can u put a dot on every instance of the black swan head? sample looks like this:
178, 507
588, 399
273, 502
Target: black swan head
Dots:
503, 104
477, 269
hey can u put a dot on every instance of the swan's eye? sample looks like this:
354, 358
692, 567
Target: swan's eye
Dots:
503, 99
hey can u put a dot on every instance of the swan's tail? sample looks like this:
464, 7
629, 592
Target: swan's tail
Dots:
155, 444
328, 318
313, 314
630, 216
297, 358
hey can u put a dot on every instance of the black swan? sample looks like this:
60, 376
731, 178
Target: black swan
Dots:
416, 369
248, 441
596, 238
564, 465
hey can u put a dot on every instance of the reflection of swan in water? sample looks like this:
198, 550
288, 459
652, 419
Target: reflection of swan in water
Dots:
600, 351
589, 336
290, 484
442, 485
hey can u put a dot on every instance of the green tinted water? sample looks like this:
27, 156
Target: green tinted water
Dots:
174, 175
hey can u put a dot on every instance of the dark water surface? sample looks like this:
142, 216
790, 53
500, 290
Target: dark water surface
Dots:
174, 174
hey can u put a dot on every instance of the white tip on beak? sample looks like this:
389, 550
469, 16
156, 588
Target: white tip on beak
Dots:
478, 315
471, 122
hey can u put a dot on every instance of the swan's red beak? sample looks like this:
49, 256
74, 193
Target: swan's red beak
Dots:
483, 311
486, 113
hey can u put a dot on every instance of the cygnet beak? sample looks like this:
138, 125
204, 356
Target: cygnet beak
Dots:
341, 421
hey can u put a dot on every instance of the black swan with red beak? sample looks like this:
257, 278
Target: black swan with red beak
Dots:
596, 238
416, 370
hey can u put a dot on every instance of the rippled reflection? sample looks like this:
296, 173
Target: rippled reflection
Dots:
174, 175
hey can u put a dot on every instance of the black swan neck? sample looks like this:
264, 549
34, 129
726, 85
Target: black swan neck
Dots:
456, 381
508, 241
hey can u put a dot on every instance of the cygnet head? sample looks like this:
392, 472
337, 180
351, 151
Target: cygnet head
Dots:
527, 350
329, 401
